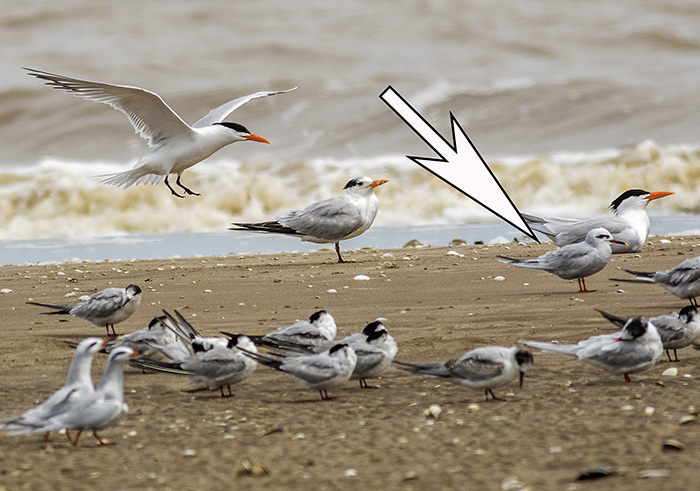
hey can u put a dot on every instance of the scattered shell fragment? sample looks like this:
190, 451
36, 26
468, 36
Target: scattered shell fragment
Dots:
361, 277
457, 242
672, 445
410, 476
670, 372
595, 474
687, 418
350, 472
413, 243
499, 278
433, 411
5, 290
332, 290
627, 408
454, 253
648, 411
511, 483
649, 473
189, 452
473, 407
250, 469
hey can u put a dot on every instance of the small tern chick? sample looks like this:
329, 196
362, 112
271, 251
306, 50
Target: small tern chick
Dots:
217, 365
574, 260
331, 220
104, 308
317, 371
78, 386
482, 368
628, 222
178, 146
634, 349
101, 409
677, 330
683, 281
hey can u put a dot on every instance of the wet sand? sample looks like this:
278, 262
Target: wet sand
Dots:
568, 418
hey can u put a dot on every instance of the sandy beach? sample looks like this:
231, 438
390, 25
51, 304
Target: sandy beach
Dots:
438, 301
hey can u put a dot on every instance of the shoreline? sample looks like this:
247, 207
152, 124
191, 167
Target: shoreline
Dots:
438, 301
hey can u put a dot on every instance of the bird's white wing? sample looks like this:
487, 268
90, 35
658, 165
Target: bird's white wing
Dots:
219, 114
150, 116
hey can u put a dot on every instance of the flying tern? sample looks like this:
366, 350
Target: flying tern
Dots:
216, 364
634, 349
103, 408
178, 146
316, 371
574, 260
628, 223
331, 220
78, 386
683, 281
677, 330
104, 308
482, 368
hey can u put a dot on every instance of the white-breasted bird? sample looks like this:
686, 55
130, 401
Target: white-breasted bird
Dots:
315, 371
178, 146
103, 408
683, 281
104, 308
634, 349
482, 368
319, 330
573, 261
78, 385
628, 223
329, 221
677, 330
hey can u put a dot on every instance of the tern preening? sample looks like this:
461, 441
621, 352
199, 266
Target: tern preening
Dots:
573, 261
677, 330
634, 349
482, 368
683, 281
178, 146
328, 221
104, 308
628, 223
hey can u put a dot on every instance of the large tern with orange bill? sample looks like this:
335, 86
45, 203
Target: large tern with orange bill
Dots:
628, 222
178, 146
331, 220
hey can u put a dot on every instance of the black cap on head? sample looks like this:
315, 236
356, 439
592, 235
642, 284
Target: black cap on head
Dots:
317, 315
233, 341
337, 347
688, 310
134, 288
358, 181
627, 194
376, 334
636, 327
235, 127
371, 327
524, 357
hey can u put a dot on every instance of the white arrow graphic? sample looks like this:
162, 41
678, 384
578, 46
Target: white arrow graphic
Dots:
460, 165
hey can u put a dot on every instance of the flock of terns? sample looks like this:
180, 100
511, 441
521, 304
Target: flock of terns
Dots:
308, 350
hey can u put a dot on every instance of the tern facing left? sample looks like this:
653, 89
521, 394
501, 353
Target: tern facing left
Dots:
574, 260
482, 368
178, 146
634, 349
329, 221
628, 222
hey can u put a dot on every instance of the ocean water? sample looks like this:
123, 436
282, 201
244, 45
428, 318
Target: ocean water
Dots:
570, 103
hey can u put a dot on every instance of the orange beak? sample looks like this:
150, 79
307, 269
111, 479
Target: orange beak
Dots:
257, 138
378, 182
616, 241
658, 194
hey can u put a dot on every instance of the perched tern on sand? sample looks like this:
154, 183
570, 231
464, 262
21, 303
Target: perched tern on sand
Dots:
104, 308
178, 145
328, 221
628, 222
78, 386
574, 260
317, 371
319, 330
634, 349
216, 364
677, 330
683, 281
482, 368
101, 409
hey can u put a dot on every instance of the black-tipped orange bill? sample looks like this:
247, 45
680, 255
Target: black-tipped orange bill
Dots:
616, 241
658, 194
257, 138
378, 182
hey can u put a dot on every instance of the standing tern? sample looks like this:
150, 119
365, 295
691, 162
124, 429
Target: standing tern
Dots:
677, 330
103, 408
574, 260
482, 368
329, 221
316, 371
178, 146
216, 364
78, 386
634, 349
683, 281
628, 222
104, 308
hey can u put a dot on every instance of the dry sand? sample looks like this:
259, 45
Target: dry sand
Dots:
569, 417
